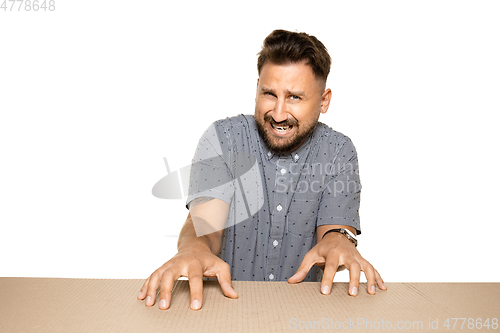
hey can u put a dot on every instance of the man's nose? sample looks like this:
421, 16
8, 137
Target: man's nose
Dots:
280, 111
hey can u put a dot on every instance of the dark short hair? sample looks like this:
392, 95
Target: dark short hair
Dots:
284, 47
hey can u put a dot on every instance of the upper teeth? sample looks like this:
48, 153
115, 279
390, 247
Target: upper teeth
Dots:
281, 128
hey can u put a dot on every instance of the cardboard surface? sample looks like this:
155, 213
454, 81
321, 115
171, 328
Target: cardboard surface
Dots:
83, 305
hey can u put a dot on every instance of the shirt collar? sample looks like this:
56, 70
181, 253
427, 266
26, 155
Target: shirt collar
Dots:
295, 155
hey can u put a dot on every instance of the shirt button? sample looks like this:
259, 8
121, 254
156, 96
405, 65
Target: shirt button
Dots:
269, 154
283, 171
271, 277
279, 208
275, 243
296, 157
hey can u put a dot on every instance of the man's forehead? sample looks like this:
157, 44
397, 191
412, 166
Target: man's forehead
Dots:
296, 76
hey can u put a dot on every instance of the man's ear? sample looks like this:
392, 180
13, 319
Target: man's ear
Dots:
325, 100
257, 90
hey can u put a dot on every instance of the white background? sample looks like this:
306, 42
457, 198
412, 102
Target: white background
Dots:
94, 94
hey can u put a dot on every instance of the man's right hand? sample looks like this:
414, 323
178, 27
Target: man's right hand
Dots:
199, 240
193, 265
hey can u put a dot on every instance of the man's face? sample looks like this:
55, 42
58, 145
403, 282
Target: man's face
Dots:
288, 103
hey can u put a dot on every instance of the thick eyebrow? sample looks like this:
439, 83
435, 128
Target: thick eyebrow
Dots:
266, 89
299, 93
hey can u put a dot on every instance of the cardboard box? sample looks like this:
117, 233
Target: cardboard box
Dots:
84, 305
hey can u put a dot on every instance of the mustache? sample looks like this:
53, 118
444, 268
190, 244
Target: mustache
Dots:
288, 122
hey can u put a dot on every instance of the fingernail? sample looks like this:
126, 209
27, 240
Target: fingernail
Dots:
325, 290
140, 294
163, 303
384, 285
372, 288
148, 299
354, 291
195, 305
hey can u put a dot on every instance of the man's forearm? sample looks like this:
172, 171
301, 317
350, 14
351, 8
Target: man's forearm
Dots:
189, 240
320, 231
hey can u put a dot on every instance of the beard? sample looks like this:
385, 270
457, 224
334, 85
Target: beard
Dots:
284, 145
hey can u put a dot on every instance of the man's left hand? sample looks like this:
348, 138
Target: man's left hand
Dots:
333, 251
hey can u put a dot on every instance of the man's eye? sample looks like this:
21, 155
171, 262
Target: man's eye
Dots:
270, 94
294, 97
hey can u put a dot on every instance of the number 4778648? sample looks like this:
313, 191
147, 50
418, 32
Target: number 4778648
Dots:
28, 5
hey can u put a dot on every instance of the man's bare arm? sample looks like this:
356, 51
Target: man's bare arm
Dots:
196, 257
188, 238
334, 251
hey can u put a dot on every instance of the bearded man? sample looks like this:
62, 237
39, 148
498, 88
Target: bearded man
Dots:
273, 196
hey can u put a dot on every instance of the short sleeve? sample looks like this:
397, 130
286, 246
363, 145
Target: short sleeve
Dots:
340, 199
209, 174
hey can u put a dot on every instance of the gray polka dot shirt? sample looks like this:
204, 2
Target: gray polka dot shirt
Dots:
276, 200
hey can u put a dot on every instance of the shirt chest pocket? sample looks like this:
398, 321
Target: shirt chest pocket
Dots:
301, 217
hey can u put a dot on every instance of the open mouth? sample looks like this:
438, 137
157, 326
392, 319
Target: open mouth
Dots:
282, 129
